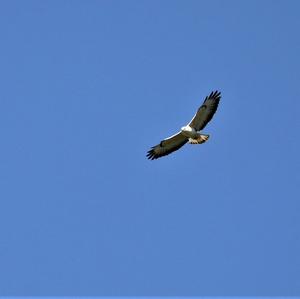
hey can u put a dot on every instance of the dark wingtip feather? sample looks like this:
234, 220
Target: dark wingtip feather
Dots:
151, 154
215, 94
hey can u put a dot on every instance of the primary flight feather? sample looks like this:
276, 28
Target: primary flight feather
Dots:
189, 133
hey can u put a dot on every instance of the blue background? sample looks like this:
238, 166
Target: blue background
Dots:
87, 87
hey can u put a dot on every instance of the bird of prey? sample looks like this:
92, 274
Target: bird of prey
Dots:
189, 133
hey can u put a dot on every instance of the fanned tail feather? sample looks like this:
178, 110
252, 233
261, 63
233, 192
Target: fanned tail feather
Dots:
201, 139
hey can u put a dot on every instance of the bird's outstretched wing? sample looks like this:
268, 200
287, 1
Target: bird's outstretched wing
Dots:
206, 111
167, 146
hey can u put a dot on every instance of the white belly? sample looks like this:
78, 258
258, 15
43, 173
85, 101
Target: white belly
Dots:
189, 132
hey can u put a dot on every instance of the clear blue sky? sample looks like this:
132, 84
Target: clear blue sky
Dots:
87, 87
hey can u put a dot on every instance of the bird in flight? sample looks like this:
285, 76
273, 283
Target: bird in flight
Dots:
189, 133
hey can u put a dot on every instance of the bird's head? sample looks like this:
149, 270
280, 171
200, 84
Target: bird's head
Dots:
186, 129
183, 128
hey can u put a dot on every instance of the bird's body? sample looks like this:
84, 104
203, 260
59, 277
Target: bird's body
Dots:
189, 133
193, 136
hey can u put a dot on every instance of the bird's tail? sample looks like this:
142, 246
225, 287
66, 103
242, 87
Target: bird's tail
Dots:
201, 139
